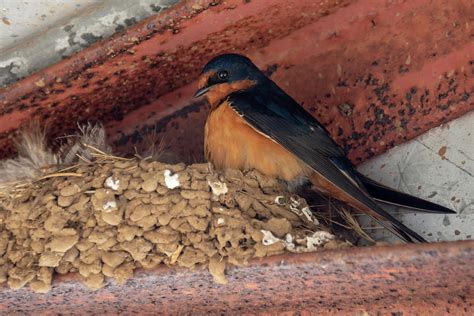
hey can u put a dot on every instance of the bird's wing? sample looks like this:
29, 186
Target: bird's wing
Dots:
269, 110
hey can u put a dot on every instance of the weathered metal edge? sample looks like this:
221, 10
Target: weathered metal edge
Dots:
367, 69
410, 279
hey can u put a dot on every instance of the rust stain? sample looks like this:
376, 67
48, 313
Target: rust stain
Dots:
442, 151
409, 280
6, 21
367, 69
347, 74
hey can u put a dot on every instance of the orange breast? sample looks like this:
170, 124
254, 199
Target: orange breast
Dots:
231, 143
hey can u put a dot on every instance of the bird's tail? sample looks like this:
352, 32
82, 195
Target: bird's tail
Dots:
362, 201
391, 196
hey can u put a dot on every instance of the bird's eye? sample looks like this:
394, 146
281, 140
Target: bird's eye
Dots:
222, 75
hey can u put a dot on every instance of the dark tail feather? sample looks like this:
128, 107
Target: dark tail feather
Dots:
387, 195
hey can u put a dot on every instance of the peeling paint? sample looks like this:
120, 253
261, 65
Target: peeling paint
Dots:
10, 70
56, 40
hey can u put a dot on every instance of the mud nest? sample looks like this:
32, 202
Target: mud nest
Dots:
105, 216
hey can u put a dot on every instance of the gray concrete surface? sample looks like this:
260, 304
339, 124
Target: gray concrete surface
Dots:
37, 33
438, 166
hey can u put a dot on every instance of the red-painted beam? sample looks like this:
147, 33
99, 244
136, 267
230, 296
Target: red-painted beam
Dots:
375, 72
409, 280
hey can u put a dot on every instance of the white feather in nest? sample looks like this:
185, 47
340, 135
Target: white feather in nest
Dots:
35, 158
79, 145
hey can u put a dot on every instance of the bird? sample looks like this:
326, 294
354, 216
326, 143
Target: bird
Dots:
254, 124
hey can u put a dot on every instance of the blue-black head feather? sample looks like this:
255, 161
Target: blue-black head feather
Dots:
228, 68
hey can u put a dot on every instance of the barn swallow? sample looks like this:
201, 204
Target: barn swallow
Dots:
254, 124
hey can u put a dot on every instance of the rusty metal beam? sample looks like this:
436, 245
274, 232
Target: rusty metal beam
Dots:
412, 279
375, 72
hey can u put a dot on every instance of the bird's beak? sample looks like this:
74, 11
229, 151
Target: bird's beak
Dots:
201, 92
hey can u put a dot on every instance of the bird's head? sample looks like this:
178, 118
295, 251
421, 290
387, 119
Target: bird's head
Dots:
225, 74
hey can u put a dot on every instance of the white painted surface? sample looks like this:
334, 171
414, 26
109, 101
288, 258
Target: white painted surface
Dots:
37, 33
419, 167
22, 19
